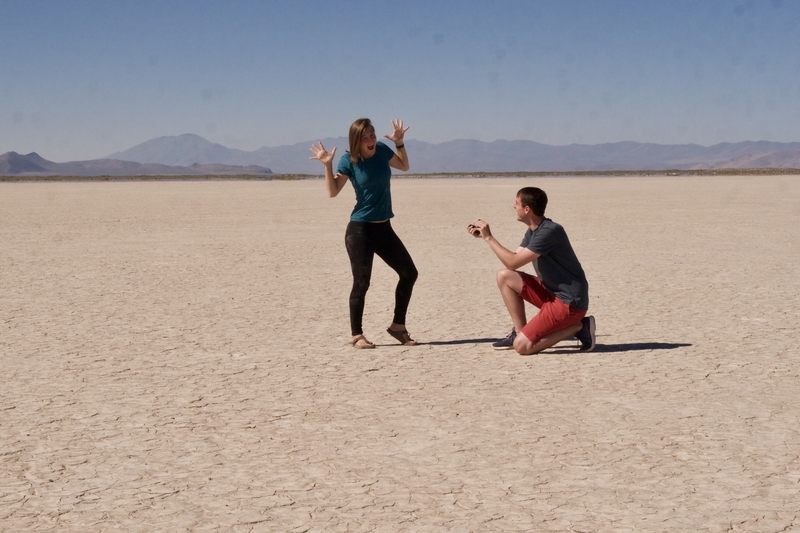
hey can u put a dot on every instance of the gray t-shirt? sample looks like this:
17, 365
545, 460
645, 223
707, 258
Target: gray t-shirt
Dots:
557, 266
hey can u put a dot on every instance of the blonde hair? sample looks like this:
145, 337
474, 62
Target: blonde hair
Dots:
357, 130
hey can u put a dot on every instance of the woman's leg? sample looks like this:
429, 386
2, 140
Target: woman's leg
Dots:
392, 250
361, 252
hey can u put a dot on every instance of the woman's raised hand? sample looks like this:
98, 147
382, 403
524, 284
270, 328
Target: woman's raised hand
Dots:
398, 132
321, 154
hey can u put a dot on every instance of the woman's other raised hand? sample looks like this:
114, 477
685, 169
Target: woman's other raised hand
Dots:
321, 154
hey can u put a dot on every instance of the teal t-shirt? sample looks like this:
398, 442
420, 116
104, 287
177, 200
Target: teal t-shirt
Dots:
371, 180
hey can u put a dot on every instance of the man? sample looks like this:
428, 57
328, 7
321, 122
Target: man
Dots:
559, 289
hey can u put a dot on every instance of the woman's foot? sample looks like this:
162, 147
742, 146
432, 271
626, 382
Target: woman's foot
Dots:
361, 342
399, 332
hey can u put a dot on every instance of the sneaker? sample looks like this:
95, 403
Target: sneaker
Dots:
586, 335
507, 343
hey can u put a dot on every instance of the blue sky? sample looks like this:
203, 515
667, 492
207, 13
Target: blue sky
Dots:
83, 79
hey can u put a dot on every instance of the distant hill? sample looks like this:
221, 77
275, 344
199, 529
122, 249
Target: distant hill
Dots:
182, 150
478, 156
32, 164
188, 149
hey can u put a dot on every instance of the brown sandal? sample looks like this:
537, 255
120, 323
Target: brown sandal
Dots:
367, 345
402, 336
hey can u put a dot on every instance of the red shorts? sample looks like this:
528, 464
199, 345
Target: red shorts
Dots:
553, 315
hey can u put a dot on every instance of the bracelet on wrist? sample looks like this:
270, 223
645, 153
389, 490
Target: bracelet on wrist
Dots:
398, 146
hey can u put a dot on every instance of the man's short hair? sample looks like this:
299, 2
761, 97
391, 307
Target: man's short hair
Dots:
533, 197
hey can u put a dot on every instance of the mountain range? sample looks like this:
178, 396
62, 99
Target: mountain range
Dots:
190, 154
477, 156
32, 164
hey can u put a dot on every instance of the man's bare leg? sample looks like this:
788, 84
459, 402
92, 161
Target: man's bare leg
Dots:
510, 284
524, 346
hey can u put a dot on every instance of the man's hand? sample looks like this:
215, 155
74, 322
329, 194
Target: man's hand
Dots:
483, 228
479, 230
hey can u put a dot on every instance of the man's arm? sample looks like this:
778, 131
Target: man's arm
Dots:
511, 260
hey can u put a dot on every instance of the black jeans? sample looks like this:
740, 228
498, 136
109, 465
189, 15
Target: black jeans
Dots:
363, 240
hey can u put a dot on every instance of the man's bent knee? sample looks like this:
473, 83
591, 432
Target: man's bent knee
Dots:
507, 277
523, 345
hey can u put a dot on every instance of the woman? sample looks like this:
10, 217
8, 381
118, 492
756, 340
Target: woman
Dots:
367, 167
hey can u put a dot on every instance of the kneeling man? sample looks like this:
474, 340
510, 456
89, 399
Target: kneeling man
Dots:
559, 289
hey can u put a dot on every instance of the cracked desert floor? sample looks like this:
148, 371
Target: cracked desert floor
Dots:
174, 358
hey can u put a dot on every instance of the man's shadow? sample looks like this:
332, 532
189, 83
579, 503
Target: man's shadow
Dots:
640, 346
563, 345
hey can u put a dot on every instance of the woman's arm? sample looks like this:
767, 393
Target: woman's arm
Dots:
333, 183
400, 159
